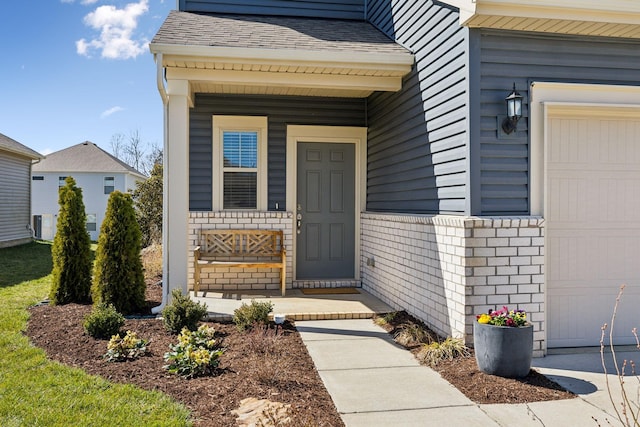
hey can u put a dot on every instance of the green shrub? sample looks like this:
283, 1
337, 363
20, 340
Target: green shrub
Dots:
196, 353
434, 353
127, 347
71, 250
104, 321
182, 312
118, 277
147, 198
250, 314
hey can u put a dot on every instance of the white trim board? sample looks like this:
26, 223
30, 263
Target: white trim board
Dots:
545, 95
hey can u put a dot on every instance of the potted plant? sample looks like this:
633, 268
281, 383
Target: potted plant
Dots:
503, 343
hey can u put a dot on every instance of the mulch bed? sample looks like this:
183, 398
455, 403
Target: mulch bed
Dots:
463, 373
285, 373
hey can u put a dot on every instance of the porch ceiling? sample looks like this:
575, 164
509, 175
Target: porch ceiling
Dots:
610, 18
279, 56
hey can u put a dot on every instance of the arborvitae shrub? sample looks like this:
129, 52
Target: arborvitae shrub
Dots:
71, 250
118, 278
103, 322
249, 315
182, 312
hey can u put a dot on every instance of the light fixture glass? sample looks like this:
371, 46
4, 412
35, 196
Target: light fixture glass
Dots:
514, 111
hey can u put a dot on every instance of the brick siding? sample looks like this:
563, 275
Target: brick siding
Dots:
446, 269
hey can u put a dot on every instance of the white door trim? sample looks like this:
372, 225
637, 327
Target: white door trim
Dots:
328, 134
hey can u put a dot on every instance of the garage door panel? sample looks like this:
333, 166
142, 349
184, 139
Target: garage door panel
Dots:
580, 315
563, 200
592, 212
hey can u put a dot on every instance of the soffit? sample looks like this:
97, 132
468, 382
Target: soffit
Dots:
611, 18
279, 55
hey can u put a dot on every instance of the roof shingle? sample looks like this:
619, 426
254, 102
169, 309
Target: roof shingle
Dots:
13, 146
83, 157
274, 32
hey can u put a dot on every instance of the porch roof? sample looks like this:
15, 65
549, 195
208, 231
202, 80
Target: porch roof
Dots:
279, 55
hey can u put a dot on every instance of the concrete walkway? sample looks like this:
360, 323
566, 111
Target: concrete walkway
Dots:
375, 382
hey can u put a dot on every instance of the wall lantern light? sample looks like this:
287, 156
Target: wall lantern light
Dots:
514, 111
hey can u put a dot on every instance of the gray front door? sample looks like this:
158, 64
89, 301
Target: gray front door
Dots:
325, 211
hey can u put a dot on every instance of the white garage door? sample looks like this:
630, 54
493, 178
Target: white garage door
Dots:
592, 211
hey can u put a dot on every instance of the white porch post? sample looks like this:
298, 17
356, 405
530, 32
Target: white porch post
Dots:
176, 187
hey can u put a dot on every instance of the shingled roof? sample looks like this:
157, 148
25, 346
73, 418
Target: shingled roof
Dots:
13, 146
274, 32
83, 157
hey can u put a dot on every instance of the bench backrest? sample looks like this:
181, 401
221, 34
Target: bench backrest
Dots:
219, 243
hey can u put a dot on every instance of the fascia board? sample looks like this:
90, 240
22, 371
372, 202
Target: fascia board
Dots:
610, 11
308, 57
258, 78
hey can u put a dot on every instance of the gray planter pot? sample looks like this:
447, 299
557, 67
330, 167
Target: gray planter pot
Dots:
504, 351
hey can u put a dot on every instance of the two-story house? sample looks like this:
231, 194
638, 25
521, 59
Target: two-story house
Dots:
377, 134
95, 171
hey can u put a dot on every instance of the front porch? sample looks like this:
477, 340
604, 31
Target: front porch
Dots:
295, 305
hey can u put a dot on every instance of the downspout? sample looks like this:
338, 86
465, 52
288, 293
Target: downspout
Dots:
165, 220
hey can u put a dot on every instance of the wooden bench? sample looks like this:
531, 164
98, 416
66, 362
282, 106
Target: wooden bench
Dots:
240, 249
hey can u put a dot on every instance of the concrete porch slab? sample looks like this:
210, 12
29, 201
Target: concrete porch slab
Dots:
295, 305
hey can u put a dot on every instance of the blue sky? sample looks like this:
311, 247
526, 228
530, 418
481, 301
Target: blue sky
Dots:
78, 70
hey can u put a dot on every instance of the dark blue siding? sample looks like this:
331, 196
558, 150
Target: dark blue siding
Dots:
340, 9
508, 57
281, 111
417, 150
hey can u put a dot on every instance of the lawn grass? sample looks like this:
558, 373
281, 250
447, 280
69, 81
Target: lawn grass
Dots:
38, 392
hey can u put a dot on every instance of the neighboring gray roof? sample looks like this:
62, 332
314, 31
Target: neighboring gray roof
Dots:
13, 146
274, 32
84, 157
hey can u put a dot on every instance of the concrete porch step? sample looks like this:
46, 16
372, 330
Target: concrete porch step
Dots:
295, 305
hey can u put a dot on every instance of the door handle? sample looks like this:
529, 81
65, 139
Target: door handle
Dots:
298, 223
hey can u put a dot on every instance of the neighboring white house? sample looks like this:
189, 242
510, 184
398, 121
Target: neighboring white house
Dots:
15, 169
95, 171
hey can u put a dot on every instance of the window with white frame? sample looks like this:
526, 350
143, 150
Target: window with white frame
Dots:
109, 184
239, 162
61, 181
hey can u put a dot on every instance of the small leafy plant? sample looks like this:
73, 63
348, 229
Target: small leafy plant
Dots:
248, 315
103, 322
504, 317
127, 347
182, 313
195, 354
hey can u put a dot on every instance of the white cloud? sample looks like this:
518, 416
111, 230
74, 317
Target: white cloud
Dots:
116, 26
46, 151
111, 111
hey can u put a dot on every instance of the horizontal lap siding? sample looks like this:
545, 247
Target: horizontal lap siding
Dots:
281, 111
340, 9
15, 197
417, 152
508, 57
